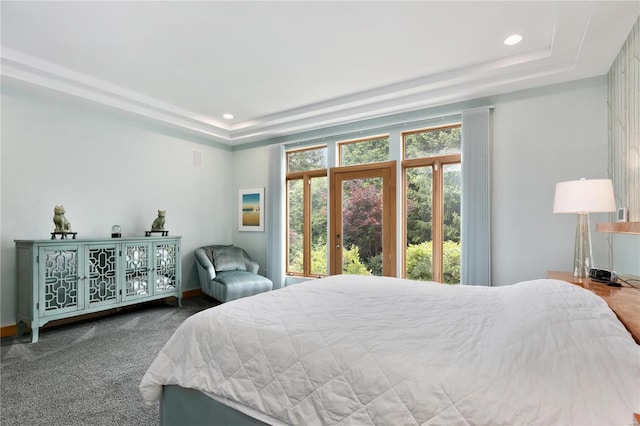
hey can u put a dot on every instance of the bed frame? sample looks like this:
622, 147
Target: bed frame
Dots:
182, 407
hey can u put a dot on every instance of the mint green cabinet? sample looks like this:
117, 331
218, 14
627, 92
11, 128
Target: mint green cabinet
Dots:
60, 279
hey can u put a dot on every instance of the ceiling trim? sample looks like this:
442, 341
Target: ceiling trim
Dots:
28, 69
457, 85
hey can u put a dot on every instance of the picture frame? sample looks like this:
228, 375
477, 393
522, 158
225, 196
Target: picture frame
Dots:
251, 209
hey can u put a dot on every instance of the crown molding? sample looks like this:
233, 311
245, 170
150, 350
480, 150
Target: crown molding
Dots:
431, 90
27, 69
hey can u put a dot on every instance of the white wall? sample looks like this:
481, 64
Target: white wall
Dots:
540, 137
105, 169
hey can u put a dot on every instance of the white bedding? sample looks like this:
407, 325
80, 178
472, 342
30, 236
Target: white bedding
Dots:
354, 350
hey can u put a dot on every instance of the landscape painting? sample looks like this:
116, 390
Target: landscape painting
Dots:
251, 209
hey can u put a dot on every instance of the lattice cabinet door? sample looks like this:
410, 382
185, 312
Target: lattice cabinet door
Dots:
137, 264
60, 277
166, 266
101, 274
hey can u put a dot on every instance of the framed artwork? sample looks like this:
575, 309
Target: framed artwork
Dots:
251, 209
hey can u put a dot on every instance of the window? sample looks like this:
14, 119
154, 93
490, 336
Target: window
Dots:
432, 188
364, 151
431, 172
307, 212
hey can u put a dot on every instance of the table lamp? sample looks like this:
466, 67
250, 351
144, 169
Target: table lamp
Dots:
583, 197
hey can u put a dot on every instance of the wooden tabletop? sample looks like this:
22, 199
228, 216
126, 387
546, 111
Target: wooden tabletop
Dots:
624, 301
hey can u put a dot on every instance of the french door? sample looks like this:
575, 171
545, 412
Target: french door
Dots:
363, 219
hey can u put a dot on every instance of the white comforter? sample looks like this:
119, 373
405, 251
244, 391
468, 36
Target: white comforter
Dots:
363, 350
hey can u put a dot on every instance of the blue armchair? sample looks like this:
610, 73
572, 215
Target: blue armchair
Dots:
227, 273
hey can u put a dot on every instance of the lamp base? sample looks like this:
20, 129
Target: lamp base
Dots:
582, 257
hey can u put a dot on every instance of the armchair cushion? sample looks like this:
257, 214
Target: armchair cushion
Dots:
227, 273
237, 284
228, 259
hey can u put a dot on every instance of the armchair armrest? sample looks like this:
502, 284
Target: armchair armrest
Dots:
204, 264
252, 265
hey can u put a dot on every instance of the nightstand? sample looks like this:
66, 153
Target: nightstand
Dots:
623, 301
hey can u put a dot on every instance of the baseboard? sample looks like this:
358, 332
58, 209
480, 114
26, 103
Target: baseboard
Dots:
191, 293
12, 330
8, 330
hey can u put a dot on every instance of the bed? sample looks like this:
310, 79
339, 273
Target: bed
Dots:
353, 350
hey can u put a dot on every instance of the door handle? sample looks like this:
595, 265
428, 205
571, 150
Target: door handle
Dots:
337, 246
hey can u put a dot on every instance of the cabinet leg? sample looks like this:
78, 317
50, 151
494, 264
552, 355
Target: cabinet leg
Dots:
34, 330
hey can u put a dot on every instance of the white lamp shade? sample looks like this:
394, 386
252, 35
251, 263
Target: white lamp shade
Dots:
584, 196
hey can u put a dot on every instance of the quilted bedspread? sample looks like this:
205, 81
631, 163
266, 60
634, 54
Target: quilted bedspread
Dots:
352, 350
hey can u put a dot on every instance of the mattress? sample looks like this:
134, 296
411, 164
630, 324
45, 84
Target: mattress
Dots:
353, 350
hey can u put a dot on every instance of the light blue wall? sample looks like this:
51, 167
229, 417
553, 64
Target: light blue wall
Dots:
105, 169
626, 254
251, 170
541, 137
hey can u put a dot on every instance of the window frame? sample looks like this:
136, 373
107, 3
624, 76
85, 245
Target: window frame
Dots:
397, 149
436, 163
306, 177
341, 144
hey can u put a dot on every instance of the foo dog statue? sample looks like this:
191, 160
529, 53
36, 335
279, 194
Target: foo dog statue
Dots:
158, 223
61, 222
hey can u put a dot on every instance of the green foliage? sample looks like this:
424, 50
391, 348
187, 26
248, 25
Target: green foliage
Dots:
319, 259
420, 261
451, 262
318, 221
419, 204
452, 198
374, 264
318, 211
295, 225
295, 260
310, 159
365, 152
362, 216
351, 263
432, 143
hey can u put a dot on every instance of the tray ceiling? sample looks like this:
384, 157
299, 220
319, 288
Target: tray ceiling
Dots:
287, 67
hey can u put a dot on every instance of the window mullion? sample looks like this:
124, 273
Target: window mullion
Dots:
438, 213
306, 226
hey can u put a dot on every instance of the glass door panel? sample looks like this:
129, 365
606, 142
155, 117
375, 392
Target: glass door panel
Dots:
419, 220
165, 267
451, 223
295, 221
137, 270
103, 281
363, 220
59, 271
362, 226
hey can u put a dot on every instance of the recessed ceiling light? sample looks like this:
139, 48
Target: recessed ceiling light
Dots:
228, 116
513, 39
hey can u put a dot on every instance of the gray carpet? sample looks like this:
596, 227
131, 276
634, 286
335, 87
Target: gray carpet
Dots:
88, 373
